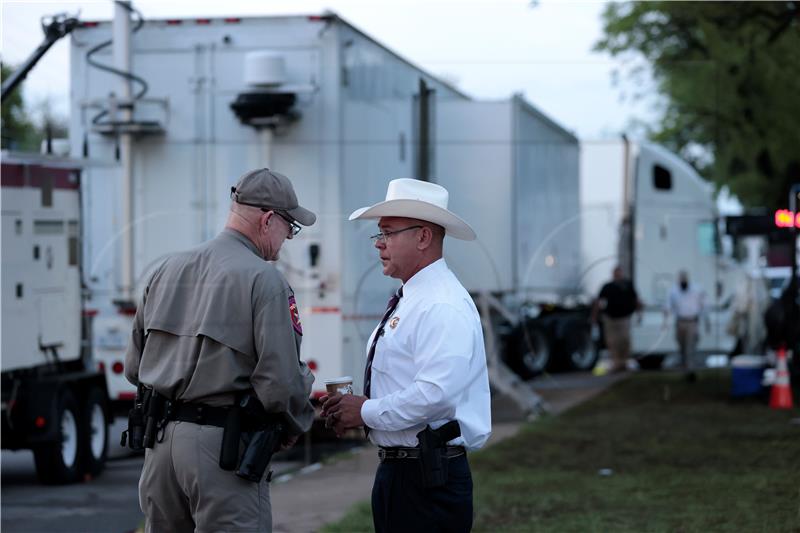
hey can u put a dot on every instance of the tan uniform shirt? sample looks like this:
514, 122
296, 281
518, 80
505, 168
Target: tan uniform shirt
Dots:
218, 320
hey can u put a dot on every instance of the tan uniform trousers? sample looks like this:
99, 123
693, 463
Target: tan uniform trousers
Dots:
686, 335
183, 489
617, 333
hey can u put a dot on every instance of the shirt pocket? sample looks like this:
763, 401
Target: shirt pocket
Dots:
393, 353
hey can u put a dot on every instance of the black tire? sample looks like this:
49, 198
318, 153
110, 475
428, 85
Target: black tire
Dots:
94, 432
530, 353
58, 462
581, 352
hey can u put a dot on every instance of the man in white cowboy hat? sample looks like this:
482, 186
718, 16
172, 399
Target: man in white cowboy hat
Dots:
426, 388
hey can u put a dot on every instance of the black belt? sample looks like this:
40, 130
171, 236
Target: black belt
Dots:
386, 453
197, 413
687, 319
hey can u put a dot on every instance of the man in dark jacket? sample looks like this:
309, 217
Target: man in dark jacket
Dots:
617, 301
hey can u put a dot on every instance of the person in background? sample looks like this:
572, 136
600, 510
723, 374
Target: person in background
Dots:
686, 302
617, 302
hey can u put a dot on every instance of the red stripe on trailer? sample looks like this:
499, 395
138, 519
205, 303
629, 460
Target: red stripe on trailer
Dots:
63, 178
232, 20
362, 317
174, 22
89, 24
14, 175
203, 21
323, 310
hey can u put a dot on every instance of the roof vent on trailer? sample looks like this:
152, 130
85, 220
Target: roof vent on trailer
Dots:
264, 69
269, 101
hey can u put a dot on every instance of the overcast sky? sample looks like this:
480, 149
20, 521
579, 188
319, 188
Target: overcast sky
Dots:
489, 49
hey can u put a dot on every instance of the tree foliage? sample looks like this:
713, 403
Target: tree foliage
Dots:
729, 73
18, 130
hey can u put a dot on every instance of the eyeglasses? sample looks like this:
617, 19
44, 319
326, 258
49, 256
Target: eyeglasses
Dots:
294, 227
382, 236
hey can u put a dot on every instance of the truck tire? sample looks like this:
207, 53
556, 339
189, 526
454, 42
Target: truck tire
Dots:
58, 462
580, 349
94, 432
530, 354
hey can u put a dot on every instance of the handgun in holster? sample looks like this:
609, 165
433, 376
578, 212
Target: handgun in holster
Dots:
265, 438
134, 435
433, 446
155, 418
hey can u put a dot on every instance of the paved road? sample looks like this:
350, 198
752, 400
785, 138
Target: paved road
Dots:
108, 504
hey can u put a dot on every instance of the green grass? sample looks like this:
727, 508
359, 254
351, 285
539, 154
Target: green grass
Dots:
683, 458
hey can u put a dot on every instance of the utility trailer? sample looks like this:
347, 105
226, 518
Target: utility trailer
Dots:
310, 96
514, 173
54, 399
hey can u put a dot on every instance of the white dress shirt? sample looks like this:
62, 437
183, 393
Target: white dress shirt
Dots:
688, 304
430, 365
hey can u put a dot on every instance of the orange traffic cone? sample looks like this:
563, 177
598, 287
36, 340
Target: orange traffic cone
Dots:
781, 395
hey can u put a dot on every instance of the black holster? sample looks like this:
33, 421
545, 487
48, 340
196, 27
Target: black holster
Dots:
231, 437
262, 435
260, 446
155, 419
134, 435
432, 446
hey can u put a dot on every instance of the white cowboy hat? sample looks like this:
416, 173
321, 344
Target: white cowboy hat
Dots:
422, 200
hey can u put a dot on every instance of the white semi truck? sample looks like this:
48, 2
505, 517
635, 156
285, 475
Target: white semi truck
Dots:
644, 208
316, 99
54, 398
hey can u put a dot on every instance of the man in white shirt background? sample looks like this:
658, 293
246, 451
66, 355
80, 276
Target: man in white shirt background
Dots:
687, 302
425, 370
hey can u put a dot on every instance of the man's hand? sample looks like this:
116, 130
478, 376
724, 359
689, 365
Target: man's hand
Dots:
342, 412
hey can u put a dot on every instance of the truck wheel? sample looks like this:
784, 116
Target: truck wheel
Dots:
532, 354
94, 432
581, 352
58, 462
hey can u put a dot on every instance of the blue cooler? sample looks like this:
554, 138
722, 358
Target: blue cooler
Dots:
746, 374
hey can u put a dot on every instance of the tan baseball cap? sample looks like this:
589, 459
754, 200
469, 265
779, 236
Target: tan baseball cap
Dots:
267, 189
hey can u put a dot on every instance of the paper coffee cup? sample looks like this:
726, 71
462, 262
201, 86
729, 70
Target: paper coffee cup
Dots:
342, 385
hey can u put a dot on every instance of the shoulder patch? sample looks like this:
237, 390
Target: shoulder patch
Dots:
295, 314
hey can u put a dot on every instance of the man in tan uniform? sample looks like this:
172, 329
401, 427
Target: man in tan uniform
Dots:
216, 323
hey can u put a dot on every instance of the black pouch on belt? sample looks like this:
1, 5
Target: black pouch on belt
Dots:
231, 437
432, 447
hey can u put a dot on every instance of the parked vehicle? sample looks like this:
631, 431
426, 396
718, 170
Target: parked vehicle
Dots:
54, 399
341, 115
646, 209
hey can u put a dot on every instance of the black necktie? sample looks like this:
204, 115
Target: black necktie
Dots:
378, 334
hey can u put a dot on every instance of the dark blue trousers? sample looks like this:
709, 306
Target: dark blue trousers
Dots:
401, 504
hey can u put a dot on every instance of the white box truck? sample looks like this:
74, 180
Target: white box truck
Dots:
316, 99
54, 399
310, 96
